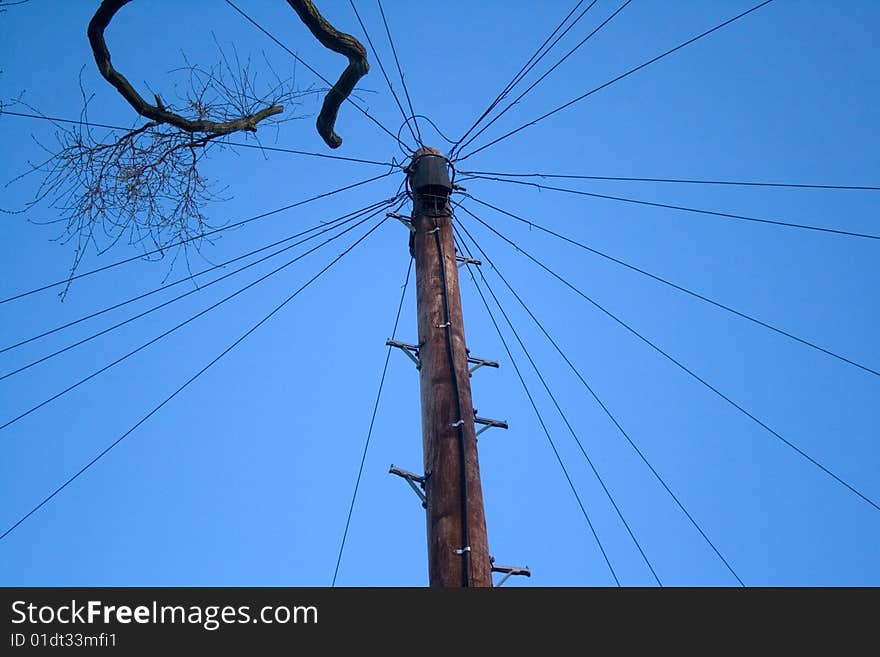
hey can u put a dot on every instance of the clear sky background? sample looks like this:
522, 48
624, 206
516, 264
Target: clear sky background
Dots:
245, 478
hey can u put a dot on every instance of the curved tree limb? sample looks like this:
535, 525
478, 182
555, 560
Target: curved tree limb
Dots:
158, 112
344, 44
147, 185
323, 31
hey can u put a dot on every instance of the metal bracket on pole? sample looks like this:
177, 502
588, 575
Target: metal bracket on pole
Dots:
412, 479
406, 221
488, 423
411, 350
462, 260
480, 362
509, 571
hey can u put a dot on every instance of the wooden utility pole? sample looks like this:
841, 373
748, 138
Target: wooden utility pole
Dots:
458, 549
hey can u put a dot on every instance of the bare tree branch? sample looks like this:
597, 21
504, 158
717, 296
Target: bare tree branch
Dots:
158, 112
344, 44
146, 186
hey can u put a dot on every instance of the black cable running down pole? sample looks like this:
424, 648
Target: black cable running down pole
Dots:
465, 525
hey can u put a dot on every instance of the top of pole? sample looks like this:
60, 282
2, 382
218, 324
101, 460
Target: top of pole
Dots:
427, 150
429, 173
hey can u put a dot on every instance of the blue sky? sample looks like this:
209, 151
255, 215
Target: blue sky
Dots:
245, 477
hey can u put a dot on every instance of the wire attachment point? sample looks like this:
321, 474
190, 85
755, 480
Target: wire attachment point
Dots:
461, 260
488, 423
406, 221
509, 571
411, 351
412, 479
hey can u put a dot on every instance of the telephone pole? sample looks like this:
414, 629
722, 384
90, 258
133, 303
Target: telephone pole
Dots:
458, 547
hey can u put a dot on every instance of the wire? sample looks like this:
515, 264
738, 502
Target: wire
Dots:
725, 215
301, 61
182, 324
357, 482
671, 180
433, 125
323, 155
190, 239
184, 279
612, 81
547, 387
660, 279
335, 223
235, 144
559, 460
459, 423
550, 392
524, 70
187, 383
681, 366
616, 424
384, 74
546, 73
412, 112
